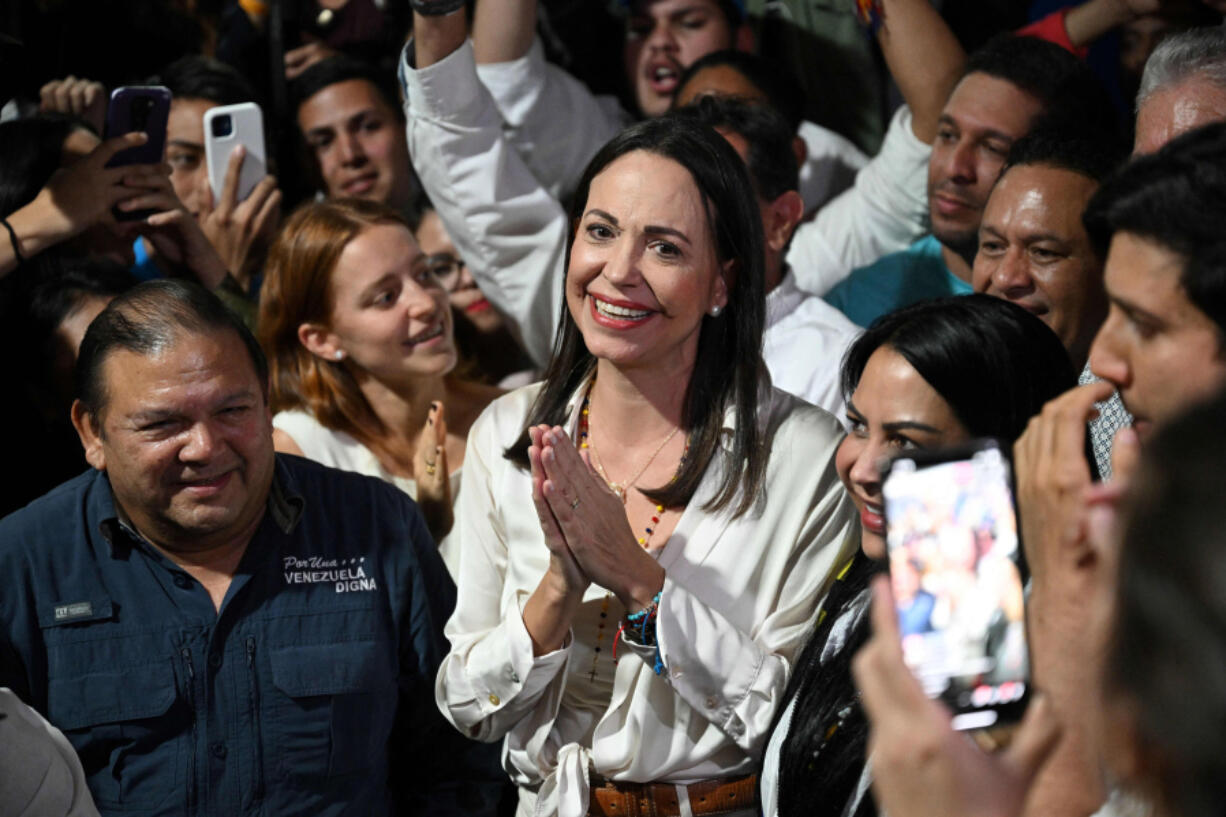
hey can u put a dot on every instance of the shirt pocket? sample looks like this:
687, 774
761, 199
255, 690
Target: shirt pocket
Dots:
332, 708
120, 723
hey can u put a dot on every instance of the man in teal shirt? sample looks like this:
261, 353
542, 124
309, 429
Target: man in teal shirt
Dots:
1008, 85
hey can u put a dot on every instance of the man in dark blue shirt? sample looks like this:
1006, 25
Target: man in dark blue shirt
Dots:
218, 629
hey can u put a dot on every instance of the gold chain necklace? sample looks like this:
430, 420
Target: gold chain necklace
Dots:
619, 488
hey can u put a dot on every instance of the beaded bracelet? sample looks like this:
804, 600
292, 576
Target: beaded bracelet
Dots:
13, 240
645, 621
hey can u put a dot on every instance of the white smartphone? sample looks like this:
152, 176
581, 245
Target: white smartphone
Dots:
952, 537
225, 128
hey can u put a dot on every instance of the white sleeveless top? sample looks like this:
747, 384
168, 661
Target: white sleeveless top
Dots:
340, 450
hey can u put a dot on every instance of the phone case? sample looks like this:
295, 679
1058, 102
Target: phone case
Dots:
246, 129
954, 552
138, 108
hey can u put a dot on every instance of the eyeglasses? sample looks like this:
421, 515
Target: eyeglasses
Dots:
446, 268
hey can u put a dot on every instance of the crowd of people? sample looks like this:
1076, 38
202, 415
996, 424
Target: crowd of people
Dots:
505, 434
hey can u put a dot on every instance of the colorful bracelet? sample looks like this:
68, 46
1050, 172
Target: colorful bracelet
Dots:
645, 621
871, 15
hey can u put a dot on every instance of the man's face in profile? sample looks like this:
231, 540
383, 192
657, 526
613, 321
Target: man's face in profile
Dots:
1158, 348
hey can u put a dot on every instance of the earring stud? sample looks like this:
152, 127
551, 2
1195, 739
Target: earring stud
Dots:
340, 355
716, 310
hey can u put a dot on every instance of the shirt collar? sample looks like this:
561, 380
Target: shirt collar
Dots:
576, 401
783, 299
285, 505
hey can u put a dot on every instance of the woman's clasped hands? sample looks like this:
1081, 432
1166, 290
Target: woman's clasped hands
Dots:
585, 525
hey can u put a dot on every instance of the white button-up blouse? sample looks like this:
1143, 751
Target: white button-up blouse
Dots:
739, 598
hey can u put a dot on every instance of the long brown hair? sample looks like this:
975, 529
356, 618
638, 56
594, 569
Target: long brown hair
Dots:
298, 289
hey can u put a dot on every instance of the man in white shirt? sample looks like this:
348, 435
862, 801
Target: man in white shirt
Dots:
805, 337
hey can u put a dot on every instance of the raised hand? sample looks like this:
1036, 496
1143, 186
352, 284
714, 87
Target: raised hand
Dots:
431, 474
238, 229
563, 568
592, 520
176, 235
79, 97
921, 766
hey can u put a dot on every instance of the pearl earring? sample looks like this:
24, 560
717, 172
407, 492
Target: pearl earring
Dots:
716, 310
340, 355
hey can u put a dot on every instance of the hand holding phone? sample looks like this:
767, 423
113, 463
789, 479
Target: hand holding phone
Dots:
952, 539
141, 109
225, 128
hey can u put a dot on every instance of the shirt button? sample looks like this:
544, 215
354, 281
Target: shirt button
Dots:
183, 581
512, 675
218, 750
494, 699
215, 660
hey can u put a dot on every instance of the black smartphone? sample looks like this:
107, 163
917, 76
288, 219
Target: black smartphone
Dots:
954, 553
144, 108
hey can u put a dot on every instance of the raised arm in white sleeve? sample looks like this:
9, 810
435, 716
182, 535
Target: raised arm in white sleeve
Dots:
508, 228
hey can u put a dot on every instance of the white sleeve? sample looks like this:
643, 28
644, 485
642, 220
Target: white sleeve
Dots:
508, 229
884, 212
551, 118
490, 681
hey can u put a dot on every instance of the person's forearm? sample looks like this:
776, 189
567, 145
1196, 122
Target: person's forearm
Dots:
503, 29
36, 227
548, 614
1091, 20
1066, 659
924, 58
436, 37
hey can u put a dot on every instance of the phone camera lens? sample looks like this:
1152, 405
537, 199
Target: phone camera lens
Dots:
142, 106
222, 126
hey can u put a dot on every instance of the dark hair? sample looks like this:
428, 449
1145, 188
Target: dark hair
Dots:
197, 77
63, 283
995, 364
772, 162
775, 81
342, 68
148, 318
30, 151
728, 372
1066, 88
733, 10
1176, 198
992, 361
1168, 651
1052, 147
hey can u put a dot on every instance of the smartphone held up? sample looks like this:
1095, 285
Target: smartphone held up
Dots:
952, 539
226, 127
143, 109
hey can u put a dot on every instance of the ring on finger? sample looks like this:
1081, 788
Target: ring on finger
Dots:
574, 503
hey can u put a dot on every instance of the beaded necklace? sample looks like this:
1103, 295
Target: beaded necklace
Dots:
648, 531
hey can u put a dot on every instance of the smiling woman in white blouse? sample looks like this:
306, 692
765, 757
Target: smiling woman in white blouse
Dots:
644, 538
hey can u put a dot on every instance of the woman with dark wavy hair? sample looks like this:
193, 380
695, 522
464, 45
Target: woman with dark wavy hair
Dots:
927, 376
638, 568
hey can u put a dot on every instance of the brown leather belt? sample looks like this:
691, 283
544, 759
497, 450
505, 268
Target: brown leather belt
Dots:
612, 798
